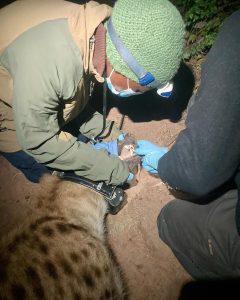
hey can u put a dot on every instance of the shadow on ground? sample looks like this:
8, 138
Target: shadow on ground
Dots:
150, 106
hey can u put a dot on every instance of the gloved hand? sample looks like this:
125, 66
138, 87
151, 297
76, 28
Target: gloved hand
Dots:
145, 147
130, 177
150, 161
121, 136
110, 146
131, 181
115, 146
151, 154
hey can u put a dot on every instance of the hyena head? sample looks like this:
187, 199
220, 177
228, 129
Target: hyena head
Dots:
61, 251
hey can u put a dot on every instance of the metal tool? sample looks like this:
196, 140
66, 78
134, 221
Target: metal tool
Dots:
114, 195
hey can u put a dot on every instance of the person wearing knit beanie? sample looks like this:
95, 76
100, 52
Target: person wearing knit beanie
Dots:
153, 32
49, 64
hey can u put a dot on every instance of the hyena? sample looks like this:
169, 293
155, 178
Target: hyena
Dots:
61, 250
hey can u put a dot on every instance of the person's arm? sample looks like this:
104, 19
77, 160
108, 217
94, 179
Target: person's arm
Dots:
40, 136
206, 153
46, 74
93, 124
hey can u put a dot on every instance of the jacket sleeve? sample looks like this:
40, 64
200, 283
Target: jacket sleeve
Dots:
36, 118
46, 74
207, 153
93, 124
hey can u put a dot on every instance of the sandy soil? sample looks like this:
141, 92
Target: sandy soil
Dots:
150, 269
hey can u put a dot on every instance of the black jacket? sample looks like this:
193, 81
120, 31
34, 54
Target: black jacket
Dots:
206, 154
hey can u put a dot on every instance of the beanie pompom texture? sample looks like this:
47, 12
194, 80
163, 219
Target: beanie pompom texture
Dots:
153, 31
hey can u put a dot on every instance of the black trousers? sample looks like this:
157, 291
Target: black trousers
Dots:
203, 237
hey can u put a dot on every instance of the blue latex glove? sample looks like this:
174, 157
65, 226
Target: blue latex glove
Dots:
110, 146
150, 161
145, 147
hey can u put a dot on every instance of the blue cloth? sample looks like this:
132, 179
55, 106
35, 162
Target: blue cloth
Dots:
111, 146
26, 164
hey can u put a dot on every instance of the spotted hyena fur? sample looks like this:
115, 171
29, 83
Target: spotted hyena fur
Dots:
60, 251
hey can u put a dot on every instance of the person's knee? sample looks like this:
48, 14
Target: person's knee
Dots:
161, 225
163, 218
172, 219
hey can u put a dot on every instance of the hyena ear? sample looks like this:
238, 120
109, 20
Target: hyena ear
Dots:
129, 141
48, 180
126, 150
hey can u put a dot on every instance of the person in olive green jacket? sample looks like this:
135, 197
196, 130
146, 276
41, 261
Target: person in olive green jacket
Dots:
51, 54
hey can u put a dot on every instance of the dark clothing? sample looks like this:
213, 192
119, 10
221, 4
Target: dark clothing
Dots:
32, 169
205, 156
204, 238
26, 164
207, 153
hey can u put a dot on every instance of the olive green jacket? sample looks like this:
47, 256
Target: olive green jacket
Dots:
46, 68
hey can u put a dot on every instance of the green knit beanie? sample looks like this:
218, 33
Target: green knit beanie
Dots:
153, 31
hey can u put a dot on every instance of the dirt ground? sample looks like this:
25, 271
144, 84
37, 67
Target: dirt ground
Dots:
150, 269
